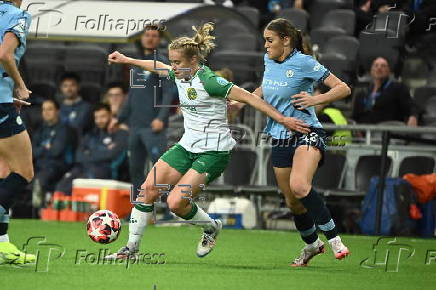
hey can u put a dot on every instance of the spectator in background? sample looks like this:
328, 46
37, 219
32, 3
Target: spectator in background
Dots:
385, 99
146, 119
274, 6
100, 152
364, 15
74, 111
115, 96
53, 148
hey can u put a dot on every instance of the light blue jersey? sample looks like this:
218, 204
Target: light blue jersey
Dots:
17, 21
281, 80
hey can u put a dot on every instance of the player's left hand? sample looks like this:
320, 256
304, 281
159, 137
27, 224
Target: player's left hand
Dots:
303, 100
22, 93
157, 125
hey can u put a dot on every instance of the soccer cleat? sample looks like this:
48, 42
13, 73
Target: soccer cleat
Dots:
9, 254
307, 253
208, 240
123, 254
339, 249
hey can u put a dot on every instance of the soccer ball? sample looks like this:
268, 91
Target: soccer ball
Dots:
103, 226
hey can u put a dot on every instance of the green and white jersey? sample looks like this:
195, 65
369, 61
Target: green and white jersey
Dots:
204, 107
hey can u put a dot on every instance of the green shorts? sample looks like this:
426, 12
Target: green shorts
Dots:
212, 163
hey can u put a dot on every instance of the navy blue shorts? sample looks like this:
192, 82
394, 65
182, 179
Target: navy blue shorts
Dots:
283, 150
10, 121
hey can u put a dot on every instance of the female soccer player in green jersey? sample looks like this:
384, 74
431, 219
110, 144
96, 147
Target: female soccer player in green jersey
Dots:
203, 152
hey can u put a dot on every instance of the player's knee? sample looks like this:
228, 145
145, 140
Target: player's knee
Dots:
299, 188
148, 193
175, 203
27, 173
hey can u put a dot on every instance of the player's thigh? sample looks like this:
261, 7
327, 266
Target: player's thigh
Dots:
305, 163
16, 150
282, 175
167, 171
283, 182
205, 169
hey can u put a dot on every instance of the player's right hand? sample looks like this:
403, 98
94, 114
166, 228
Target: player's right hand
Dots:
295, 124
22, 93
116, 57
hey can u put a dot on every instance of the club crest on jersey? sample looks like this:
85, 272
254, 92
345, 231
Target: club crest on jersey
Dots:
192, 93
289, 73
317, 67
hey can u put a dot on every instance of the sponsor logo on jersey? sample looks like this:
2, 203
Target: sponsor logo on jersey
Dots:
275, 83
222, 81
192, 93
289, 73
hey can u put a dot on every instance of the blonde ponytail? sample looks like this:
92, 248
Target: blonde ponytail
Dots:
200, 45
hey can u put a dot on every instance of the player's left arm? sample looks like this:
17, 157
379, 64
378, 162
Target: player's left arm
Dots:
7, 59
338, 90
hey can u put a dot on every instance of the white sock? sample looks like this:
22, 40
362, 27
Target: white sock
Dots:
4, 238
334, 239
202, 219
315, 244
137, 224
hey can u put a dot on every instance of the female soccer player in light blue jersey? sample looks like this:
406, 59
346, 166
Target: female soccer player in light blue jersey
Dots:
15, 147
287, 85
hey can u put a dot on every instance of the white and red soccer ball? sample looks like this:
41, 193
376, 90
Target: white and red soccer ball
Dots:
103, 226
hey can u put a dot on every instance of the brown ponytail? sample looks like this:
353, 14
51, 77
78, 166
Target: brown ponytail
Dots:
283, 28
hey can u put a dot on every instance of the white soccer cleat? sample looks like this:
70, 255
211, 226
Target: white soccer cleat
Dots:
208, 240
123, 254
307, 253
338, 248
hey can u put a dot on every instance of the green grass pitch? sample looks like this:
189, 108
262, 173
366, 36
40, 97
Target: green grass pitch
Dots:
242, 259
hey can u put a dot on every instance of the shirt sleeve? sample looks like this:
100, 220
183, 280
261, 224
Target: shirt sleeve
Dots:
19, 25
217, 86
314, 71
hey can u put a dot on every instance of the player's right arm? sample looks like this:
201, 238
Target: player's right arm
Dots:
7, 60
148, 65
235, 107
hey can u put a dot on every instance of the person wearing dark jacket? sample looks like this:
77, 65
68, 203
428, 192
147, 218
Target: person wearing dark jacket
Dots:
52, 151
144, 113
75, 112
385, 99
100, 152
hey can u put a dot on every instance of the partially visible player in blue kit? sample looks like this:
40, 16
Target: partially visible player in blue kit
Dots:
15, 146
